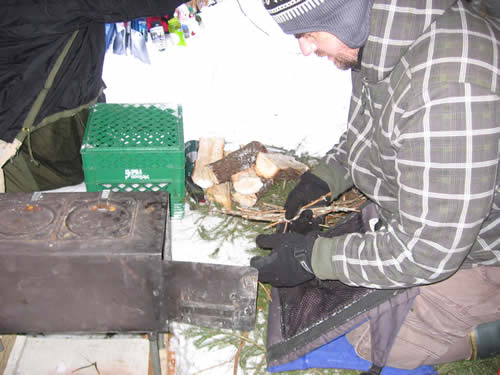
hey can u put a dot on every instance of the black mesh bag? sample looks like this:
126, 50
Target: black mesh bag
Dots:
312, 314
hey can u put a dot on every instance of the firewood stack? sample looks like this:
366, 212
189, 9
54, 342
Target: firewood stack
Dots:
242, 175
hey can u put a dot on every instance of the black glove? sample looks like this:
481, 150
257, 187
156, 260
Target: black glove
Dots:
304, 224
289, 263
309, 188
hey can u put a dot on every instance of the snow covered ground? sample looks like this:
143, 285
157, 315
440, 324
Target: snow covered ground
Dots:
239, 78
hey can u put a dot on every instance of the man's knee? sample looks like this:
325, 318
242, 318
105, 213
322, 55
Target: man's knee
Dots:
449, 321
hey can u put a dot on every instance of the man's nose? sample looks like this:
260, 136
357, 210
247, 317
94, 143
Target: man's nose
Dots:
306, 46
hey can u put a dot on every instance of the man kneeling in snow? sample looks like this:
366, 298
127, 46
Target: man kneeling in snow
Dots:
422, 143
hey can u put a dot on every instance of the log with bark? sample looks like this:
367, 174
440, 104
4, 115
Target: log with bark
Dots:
236, 161
249, 171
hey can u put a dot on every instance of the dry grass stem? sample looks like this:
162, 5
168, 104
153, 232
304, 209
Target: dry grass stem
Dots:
214, 366
237, 355
266, 291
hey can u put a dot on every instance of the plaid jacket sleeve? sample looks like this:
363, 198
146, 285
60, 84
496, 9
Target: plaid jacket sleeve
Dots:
447, 165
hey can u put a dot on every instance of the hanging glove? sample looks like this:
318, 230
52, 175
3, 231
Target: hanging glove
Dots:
309, 188
289, 263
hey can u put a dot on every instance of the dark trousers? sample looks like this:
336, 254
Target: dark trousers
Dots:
49, 158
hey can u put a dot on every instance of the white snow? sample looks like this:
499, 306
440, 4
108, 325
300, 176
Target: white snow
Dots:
236, 82
242, 79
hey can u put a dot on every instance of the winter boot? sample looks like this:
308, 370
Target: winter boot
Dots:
485, 340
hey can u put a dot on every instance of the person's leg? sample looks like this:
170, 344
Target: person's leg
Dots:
438, 327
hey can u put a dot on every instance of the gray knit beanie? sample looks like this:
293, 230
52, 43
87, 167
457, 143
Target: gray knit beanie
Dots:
348, 20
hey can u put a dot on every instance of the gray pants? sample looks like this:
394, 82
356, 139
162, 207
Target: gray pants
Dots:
438, 325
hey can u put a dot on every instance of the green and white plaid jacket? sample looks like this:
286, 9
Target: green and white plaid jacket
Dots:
422, 143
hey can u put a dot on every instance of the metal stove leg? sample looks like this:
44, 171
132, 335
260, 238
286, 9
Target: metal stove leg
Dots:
154, 349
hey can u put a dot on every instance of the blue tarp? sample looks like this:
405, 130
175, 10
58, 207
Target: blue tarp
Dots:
340, 354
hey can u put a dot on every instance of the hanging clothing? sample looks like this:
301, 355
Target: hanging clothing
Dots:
51, 60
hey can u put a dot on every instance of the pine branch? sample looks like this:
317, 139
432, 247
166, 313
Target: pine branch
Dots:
242, 337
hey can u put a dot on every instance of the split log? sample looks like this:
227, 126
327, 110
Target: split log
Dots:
209, 151
247, 182
245, 200
220, 194
250, 199
236, 161
269, 164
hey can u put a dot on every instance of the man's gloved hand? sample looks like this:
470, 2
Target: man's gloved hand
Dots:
289, 263
304, 224
309, 188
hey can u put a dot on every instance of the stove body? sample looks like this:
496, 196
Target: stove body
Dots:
101, 262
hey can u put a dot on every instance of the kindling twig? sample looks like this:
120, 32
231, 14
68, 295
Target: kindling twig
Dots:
276, 217
322, 198
272, 205
266, 291
317, 211
253, 214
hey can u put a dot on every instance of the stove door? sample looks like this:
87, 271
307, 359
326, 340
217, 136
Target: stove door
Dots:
211, 295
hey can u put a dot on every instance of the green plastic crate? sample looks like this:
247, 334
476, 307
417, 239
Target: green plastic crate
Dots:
135, 147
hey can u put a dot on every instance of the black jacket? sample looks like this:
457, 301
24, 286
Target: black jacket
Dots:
32, 35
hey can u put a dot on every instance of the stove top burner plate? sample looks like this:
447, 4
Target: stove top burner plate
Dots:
25, 219
97, 219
